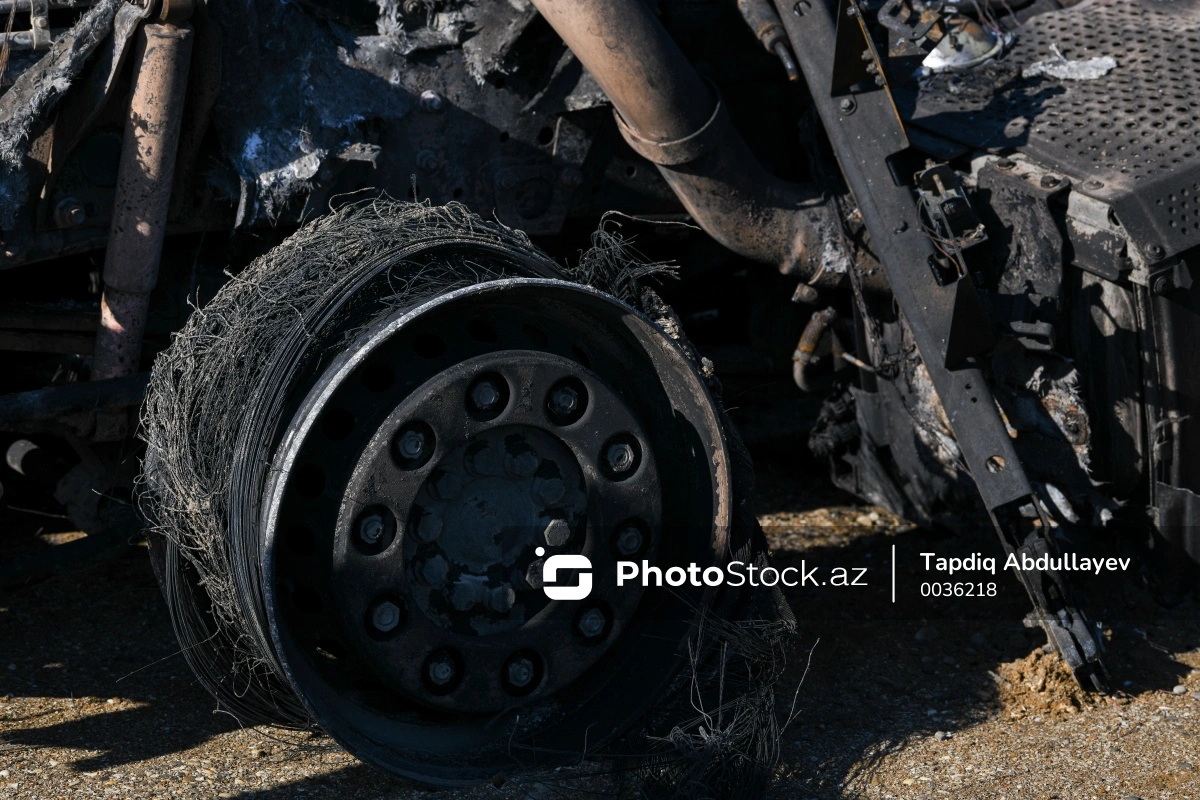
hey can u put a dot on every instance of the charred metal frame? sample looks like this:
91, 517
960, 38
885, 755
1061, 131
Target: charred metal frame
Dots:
872, 148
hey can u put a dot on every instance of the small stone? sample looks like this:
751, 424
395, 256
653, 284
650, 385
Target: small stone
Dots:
256, 751
941, 736
948, 661
1180, 689
978, 639
862, 520
12, 667
926, 634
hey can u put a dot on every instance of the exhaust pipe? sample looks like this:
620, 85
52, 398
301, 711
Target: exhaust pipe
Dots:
674, 119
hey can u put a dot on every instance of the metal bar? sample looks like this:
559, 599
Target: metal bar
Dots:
869, 141
23, 40
47, 342
143, 194
672, 118
26, 5
25, 410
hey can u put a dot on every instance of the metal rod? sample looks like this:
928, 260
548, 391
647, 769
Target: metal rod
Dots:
670, 116
25, 5
23, 40
142, 197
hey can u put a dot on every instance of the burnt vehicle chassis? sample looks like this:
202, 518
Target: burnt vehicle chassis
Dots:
991, 289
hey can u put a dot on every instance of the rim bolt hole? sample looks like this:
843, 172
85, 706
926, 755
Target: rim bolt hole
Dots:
566, 401
385, 617
629, 539
413, 445
592, 623
621, 456
443, 671
487, 396
522, 672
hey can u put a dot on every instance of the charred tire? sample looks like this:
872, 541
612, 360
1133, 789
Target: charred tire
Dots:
430, 416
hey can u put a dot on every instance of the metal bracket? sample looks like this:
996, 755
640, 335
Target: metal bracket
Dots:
39, 23
870, 145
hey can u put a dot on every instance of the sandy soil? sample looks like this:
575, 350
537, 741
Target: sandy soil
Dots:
898, 700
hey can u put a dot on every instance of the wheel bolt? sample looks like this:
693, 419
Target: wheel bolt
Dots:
592, 623
482, 460
548, 491
441, 670
500, 599
411, 445
521, 462
563, 401
629, 540
485, 395
446, 486
370, 528
533, 575
431, 101
557, 533
386, 616
620, 457
430, 525
520, 672
433, 570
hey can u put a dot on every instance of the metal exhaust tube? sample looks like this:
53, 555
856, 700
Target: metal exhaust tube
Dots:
670, 116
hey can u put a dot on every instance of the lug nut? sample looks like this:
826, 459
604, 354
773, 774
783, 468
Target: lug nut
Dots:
482, 460
629, 540
429, 527
533, 575
500, 599
441, 670
520, 672
466, 593
557, 533
431, 102
485, 396
411, 445
521, 462
370, 528
548, 491
386, 616
446, 486
592, 622
433, 570
620, 457
563, 401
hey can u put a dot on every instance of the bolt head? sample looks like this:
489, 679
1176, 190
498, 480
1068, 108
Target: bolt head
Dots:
1049, 181
466, 594
1160, 285
548, 491
629, 541
533, 575
41, 22
620, 457
485, 396
482, 461
520, 672
1094, 184
563, 401
500, 599
430, 525
386, 616
1156, 251
522, 463
431, 102
441, 671
411, 445
592, 622
412, 8
446, 486
370, 528
847, 105
1005, 163
433, 570
557, 533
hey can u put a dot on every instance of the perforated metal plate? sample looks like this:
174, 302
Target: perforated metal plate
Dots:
1130, 138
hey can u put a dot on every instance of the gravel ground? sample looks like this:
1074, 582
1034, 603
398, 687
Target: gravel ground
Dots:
895, 700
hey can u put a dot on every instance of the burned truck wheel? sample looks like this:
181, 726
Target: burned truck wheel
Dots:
414, 450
